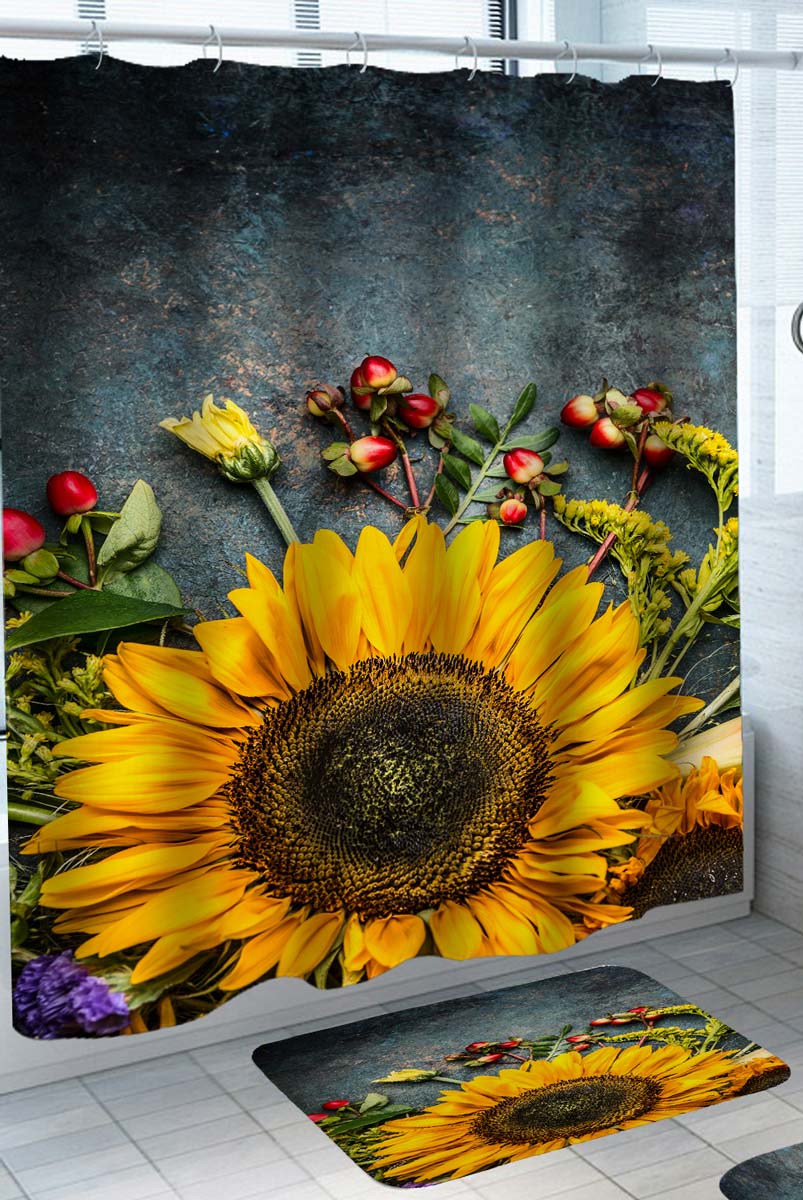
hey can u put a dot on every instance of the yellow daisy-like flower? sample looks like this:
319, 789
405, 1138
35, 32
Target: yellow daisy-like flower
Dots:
407, 749
227, 437
543, 1106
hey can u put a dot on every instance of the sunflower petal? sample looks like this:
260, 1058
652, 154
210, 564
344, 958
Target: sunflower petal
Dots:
392, 940
309, 945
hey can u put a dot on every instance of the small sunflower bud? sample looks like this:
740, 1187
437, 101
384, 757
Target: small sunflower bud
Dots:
523, 466
656, 453
512, 511
22, 534
71, 492
606, 436
579, 412
334, 1105
372, 453
323, 398
418, 410
649, 399
377, 372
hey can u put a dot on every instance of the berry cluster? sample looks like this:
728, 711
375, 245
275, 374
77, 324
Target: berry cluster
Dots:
617, 420
34, 566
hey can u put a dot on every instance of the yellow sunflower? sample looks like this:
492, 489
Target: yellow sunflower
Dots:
693, 846
542, 1106
406, 749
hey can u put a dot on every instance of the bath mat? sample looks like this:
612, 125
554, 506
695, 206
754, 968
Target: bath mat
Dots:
457, 1087
774, 1176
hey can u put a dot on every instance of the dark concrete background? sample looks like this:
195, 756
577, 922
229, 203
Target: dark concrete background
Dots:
334, 1064
169, 232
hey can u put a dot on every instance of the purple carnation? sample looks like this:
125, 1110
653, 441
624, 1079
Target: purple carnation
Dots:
56, 997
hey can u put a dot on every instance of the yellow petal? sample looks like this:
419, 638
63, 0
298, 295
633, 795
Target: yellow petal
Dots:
330, 596
561, 622
114, 875
169, 779
384, 592
455, 931
309, 945
425, 572
393, 940
176, 684
510, 932
469, 562
237, 658
515, 589
260, 954
275, 619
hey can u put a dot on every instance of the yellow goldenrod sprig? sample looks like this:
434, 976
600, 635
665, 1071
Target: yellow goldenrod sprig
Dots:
708, 452
641, 547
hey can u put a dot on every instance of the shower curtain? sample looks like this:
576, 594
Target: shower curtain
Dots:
370, 534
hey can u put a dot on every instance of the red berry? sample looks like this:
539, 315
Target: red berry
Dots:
512, 511
656, 453
71, 492
334, 1105
317, 1117
474, 1046
377, 372
600, 1021
577, 1037
649, 400
22, 534
372, 453
418, 410
360, 393
606, 436
510, 1045
582, 1046
641, 1009
523, 466
579, 412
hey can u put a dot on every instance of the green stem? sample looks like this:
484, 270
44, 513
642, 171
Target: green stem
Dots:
89, 542
29, 814
49, 592
720, 701
276, 510
76, 583
475, 486
688, 626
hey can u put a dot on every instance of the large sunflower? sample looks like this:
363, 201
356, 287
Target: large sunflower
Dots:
409, 749
544, 1106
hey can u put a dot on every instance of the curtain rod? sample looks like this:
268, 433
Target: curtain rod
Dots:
311, 39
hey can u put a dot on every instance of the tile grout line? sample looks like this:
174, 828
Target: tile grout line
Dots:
24, 1191
167, 1184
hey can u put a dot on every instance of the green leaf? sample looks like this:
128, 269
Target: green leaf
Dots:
379, 405
537, 442
373, 1100
524, 405
335, 450
343, 466
487, 496
469, 447
400, 384
133, 537
448, 494
558, 468
439, 390
485, 423
374, 1118
88, 612
148, 582
458, 469
549, 488
435, 439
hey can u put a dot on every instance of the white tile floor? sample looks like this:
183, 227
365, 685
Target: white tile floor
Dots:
207, 1125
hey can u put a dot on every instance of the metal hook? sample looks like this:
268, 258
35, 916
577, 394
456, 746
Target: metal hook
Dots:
797, 327
646, 57
468, 44
95, 32
214, 36
359, 41
566, 50
729, 56
660, 74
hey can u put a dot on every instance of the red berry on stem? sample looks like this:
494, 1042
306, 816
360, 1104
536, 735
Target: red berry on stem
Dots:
372, 453
523, 466
512, 511
579, 412
649, 400
418, 410
377, 372
360, 392
22, 534
317, 1117
656, 453
606, 436
70, 492
334, 1105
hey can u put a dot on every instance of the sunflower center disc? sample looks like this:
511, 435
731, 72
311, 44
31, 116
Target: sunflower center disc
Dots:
571, 1108
390, 787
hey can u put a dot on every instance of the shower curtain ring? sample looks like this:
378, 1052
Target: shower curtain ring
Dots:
660, 74
567, 48
728, 57
95, 32
646, 57
468, 45
214, 36
358, 43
